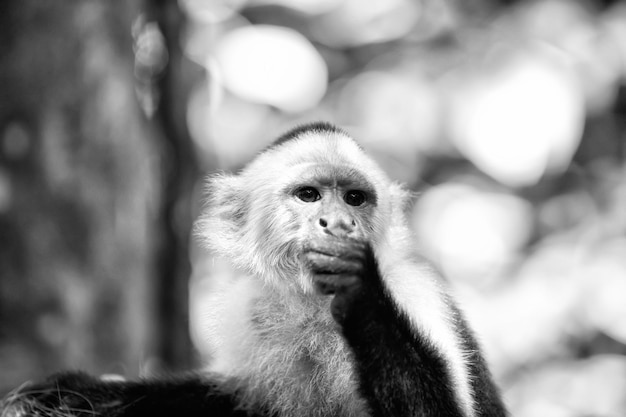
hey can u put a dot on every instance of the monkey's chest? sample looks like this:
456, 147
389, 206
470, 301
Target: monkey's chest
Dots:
303, 363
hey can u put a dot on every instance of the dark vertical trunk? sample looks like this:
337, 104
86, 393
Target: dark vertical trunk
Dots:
180, 175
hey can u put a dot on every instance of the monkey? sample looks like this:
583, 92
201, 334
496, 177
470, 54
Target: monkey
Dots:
329, 310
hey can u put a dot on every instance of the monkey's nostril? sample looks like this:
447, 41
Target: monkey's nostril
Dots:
323, 223
353, 223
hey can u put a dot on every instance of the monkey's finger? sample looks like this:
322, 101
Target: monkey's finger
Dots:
323, 263
331, 284
324, 284
342, 248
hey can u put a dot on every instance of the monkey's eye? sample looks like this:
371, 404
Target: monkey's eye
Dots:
355, 197
307, 194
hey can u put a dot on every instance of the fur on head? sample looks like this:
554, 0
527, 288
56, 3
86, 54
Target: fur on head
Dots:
250, 219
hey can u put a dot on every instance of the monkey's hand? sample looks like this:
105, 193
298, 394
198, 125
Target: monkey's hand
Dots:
347, 269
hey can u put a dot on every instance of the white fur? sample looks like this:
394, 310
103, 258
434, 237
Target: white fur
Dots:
284, 349
267, 327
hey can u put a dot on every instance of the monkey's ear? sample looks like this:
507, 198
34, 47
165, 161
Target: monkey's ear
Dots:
224, 213
226, 197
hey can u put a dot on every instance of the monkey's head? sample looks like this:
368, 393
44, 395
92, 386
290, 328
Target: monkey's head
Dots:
313, 182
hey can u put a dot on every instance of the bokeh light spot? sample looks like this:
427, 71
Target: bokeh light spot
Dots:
469, 232
520, 120
272, 65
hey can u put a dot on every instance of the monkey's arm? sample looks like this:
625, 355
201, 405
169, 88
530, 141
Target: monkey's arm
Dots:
78, 394
400, 372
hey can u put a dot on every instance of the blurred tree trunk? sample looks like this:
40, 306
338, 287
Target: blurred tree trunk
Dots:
173, 86
88, 231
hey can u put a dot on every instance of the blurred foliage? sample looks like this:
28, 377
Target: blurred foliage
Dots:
74, 175
91, 213
507, 117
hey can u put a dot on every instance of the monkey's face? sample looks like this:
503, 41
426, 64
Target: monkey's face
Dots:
315, 187
312, 202
331, 200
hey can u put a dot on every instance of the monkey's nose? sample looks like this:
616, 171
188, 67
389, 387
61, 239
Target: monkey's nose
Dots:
338, 226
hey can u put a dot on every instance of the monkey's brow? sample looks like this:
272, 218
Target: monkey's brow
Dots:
342, 176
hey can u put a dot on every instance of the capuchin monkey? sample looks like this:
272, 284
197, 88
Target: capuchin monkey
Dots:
332, 312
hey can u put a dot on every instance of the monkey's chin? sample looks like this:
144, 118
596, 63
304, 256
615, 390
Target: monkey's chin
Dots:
304, 283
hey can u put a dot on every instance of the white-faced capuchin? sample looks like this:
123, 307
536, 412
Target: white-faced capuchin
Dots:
332, 313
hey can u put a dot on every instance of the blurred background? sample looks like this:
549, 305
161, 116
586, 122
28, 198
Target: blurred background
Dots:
508, 118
